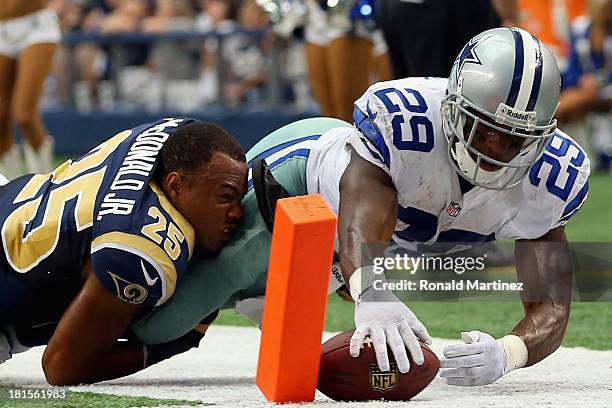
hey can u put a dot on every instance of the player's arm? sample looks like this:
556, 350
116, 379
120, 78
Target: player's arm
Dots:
367, 218
544, 267
84, 347
367, 213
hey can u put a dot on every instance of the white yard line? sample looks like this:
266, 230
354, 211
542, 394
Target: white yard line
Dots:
222, 372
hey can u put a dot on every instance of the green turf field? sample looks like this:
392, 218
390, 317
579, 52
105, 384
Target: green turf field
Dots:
13, 397
590, 323
594, 221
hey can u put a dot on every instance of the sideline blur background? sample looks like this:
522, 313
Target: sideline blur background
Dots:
254, 65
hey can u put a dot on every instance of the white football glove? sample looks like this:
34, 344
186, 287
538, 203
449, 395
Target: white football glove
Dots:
480, 361
388, 320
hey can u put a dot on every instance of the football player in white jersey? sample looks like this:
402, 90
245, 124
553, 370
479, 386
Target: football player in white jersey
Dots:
482, 143
492, 125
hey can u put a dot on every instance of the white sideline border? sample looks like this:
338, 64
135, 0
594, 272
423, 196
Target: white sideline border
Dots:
570, 377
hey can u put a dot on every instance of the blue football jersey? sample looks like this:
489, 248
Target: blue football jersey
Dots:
106, 207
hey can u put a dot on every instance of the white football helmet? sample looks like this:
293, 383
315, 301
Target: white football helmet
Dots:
507, 80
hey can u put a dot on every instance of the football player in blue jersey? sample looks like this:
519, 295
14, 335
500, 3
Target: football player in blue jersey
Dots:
95, 243
464, 160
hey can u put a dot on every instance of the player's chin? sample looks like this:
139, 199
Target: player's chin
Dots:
211, 246
215, 247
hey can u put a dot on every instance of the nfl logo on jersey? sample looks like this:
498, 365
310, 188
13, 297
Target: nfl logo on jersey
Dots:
453, 209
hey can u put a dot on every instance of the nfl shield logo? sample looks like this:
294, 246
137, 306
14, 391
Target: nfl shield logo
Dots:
453, 209
383, 381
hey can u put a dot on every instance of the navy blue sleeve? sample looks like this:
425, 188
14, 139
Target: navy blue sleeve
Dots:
135, 275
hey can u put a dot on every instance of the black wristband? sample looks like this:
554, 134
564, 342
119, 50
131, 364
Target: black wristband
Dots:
160, 352
210, 318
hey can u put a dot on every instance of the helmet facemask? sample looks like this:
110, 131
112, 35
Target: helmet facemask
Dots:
457, 111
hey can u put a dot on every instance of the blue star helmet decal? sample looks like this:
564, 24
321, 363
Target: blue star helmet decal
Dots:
468, 54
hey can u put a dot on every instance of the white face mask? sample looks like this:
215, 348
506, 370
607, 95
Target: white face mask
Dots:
468, 165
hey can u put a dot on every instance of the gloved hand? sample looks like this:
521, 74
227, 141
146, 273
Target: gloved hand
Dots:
480, 360
388, 320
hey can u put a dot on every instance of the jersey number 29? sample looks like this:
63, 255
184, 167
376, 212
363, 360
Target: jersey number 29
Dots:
412, 105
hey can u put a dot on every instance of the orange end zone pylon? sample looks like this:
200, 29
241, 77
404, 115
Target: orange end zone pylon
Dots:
296, 297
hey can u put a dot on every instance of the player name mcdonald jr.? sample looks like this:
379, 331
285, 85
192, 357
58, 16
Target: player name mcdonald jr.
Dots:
452, 285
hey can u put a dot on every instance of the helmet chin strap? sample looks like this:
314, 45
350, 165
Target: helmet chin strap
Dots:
467, 165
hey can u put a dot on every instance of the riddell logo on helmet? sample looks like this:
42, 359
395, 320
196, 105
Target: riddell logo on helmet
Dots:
506, 113
517, 115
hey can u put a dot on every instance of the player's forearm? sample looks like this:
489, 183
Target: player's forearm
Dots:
575, 103
63, 368
127, 358
367, 216
362, 239
545, 267
542, 329
364, 233
123, 359
136, 356
353, 234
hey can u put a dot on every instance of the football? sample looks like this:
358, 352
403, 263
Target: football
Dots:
345, 378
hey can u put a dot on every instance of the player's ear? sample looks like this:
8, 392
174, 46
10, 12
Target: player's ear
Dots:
173, 185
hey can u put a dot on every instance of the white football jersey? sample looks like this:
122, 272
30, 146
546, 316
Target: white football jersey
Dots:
398, 127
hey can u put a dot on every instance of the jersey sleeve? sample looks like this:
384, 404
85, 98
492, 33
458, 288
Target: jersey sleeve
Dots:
133, 268
577, 197
371, 141
140, 256
396, 124
559, 183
